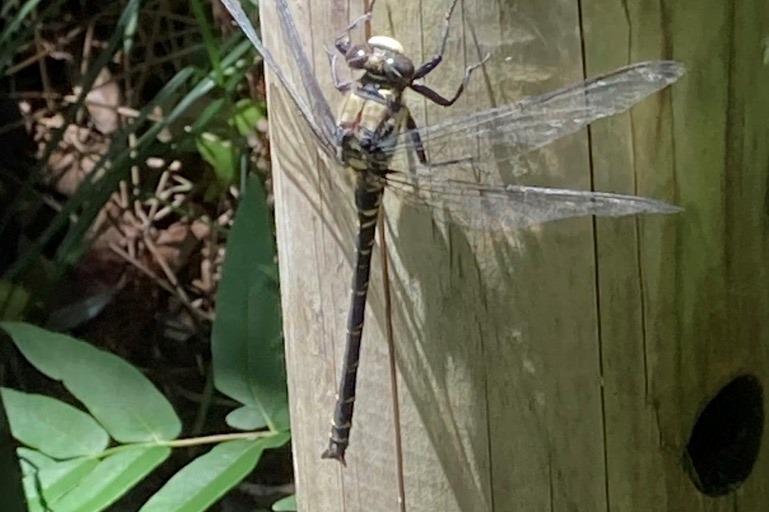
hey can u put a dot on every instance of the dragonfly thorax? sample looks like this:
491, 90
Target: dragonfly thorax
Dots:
368, 126
372, 115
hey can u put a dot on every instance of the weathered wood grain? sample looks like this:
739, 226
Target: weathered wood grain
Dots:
558, 368
683, 307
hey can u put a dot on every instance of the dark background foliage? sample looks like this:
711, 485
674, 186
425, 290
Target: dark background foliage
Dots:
128, 131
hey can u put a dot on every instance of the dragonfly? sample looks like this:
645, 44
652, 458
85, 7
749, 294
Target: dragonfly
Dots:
376, 136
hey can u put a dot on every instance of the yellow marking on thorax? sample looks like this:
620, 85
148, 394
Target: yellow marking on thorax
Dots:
370, 113
362, 114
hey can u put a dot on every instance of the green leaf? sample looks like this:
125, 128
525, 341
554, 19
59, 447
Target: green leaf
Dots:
55, 428
79, 311
132, 22
287, 504
251, 418
110, 479
247, 114
211, 41
222, 155
32, 460
13, 300
55, 480
246, 418
207, 478
247, 345
210, 113
123, 400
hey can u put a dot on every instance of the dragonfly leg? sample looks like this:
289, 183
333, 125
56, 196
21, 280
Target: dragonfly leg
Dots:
342, 42
435, 97
431, 64
342, 86
416, 139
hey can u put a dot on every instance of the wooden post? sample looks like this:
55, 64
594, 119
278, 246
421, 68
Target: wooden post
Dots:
563, 367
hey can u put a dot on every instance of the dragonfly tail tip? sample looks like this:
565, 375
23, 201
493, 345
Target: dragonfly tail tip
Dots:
336, 452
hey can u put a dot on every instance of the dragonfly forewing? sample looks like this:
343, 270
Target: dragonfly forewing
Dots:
536, 121
295, 74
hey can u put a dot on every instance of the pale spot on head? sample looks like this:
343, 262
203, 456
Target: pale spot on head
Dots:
386, 43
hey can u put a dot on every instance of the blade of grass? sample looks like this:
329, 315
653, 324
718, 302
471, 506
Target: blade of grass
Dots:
104, 57
212, 44
92, 195
72, 246
23, 13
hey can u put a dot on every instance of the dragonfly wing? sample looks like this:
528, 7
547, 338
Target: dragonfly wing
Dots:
295, 76
508, 207
535, 121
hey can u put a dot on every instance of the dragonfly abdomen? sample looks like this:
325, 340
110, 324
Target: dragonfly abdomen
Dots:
368, 198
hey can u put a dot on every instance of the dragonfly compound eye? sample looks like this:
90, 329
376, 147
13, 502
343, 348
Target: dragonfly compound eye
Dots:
399, 68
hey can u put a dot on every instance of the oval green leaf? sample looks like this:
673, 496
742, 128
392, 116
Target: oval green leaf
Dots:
110, 479
123, 400
287, 504
246, 115
55, 480
51, 426
222, 155
206, 479
246, 418
32, 460
247, 345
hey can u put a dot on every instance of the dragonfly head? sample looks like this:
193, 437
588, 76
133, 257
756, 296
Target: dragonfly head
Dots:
383, 58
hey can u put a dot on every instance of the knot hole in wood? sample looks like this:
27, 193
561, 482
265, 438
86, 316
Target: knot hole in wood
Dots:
724, 443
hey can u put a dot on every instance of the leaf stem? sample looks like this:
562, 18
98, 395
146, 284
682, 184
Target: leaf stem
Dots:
191, 441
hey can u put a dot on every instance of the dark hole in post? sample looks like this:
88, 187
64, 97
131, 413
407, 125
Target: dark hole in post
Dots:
725, 440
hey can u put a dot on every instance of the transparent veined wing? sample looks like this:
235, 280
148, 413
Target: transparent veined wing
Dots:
535, 121
295, 74
506, 207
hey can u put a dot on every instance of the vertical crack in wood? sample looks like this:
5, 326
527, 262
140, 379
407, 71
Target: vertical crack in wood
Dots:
596, 276
551, 490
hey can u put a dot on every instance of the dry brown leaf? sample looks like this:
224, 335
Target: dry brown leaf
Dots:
102, 103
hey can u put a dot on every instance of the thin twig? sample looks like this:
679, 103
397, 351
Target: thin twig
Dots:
205, 402
200, 315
